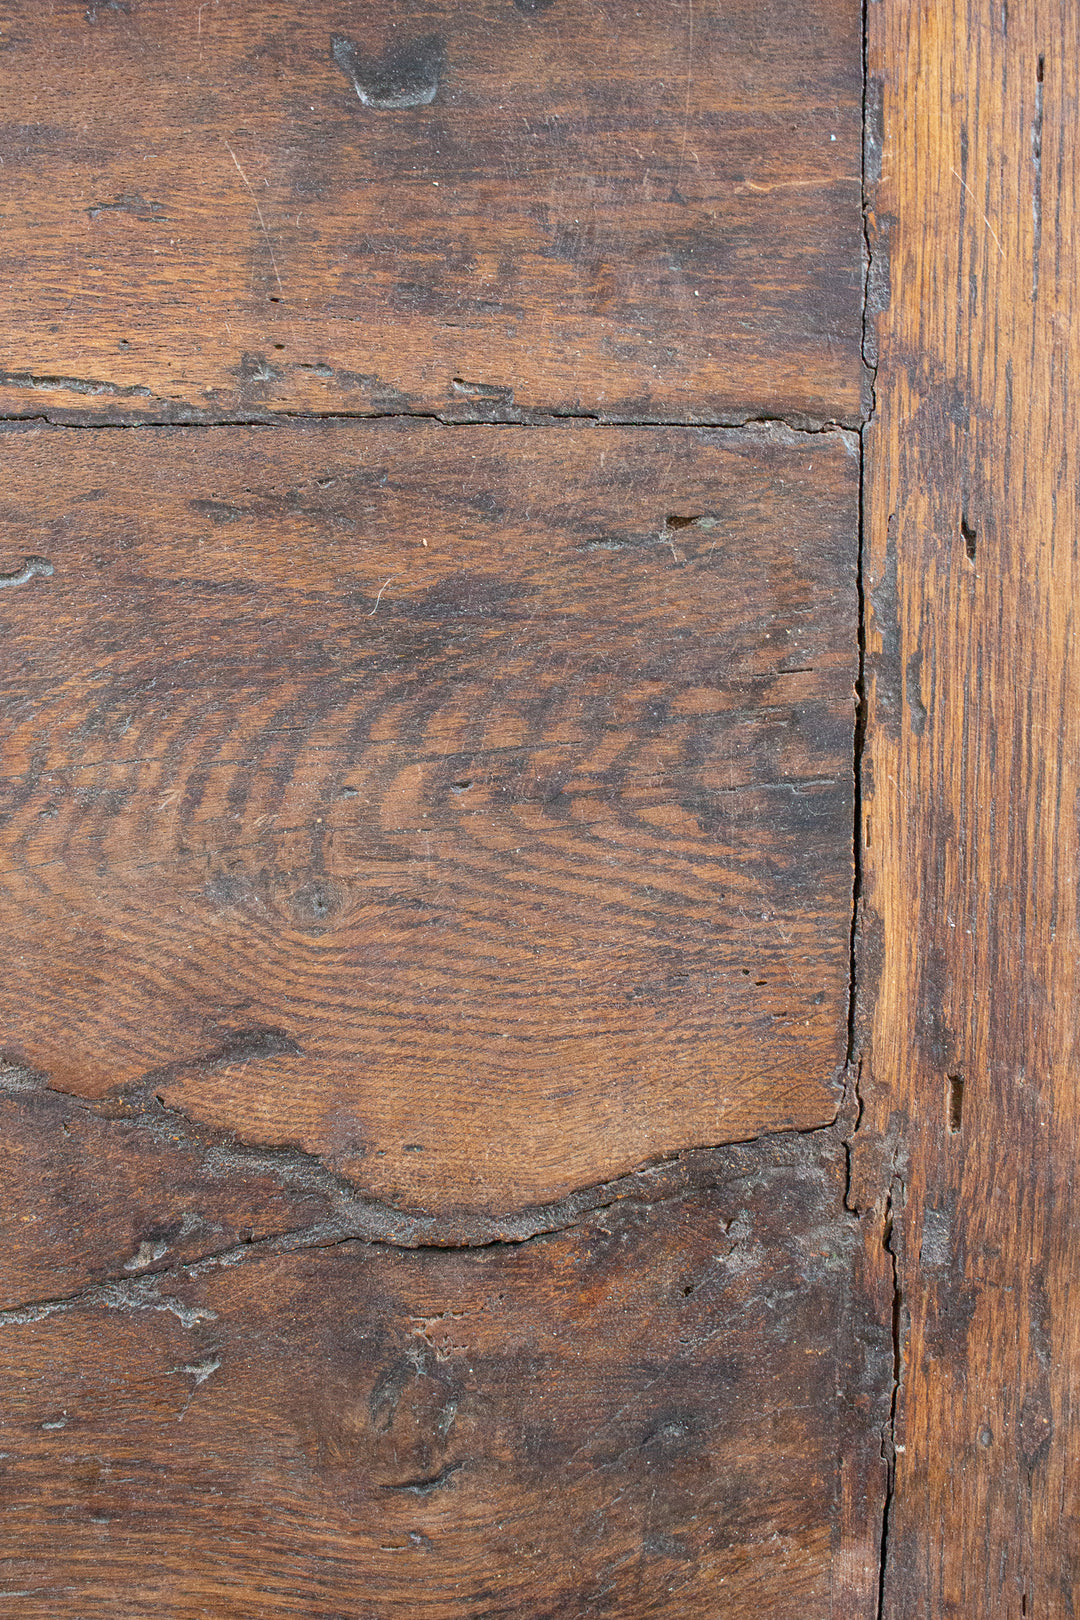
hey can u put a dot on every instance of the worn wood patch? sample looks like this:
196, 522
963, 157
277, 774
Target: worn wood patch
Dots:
971, 945
635, 1415
471, 806
94, 1193
219, 210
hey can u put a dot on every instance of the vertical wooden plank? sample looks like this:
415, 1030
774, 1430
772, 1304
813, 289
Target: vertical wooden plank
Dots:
969, 936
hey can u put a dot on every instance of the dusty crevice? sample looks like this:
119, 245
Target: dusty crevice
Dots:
352, 1214
113, 1293
176, 416
875, 300
351, 1217
893, 1205
853, 1108
431, 1483
676, 1179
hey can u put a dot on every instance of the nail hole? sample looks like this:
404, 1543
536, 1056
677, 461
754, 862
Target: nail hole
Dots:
460, 787
676, 522
970, 537
954, 1102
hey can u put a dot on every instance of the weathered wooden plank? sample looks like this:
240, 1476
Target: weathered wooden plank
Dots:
649, 213
471, 806
637, 1415
107, 1189
972, 848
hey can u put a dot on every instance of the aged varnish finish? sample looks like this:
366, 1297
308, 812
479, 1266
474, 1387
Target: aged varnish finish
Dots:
427, 843
634, 1415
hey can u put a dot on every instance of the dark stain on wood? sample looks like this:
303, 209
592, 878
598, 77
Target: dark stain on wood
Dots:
635, 1414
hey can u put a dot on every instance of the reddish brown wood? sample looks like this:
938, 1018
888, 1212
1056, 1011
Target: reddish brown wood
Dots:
971, 782
637, 1415
642, 212
433, 798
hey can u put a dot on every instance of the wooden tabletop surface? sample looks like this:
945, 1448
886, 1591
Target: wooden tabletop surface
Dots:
538, 810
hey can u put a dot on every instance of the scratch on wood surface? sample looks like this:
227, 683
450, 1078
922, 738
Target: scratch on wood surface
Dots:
689, 87
379, 598
974, 199
798, 185
200, 1371
258, 210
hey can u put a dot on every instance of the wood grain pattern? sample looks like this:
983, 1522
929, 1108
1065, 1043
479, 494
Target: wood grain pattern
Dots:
646, 213
424, 844
471, 806
972, 773
637, 1415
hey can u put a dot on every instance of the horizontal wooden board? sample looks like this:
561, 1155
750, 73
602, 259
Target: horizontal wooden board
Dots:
637, 1415
219, 209
471, 806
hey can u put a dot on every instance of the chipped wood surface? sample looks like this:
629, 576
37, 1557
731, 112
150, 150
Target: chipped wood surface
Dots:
214, 210
970, 939
427, 797
634, 1415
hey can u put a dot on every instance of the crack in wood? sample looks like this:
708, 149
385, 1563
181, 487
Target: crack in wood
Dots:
192, 416
359, 1220
352, 1216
